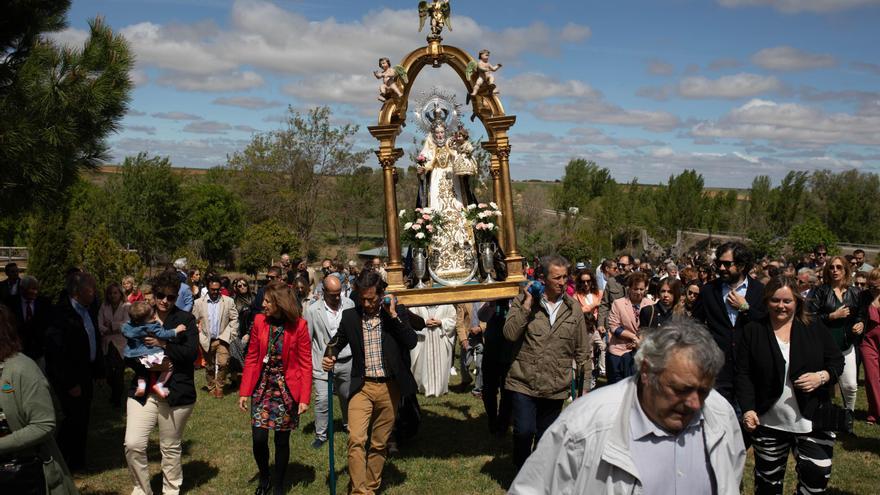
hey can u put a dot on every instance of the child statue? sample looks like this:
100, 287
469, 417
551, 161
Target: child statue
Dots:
390, 77
484, 72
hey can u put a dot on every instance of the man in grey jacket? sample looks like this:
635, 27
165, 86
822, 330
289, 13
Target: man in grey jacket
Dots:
663, 431
323, 317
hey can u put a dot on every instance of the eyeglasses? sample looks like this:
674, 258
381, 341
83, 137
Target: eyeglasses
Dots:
725, 263
242, 286
161, 296
860, 284
822, 254
694, 293
621, 266
586, 280
271, 277
836, 267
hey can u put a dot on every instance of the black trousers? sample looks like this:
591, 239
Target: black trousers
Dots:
531, 418
496, 400
73, 431
812, 454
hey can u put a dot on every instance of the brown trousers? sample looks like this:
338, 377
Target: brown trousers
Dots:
376, 404
216, 359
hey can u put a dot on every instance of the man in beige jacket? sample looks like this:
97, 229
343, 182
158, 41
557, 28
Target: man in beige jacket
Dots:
218, 325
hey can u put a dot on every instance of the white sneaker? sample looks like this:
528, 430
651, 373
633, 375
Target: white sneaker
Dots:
452, 371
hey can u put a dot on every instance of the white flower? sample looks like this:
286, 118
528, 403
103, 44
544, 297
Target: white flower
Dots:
471, 207
493, 205
407, 225
490, 226
402, 213
420, 235
427, 211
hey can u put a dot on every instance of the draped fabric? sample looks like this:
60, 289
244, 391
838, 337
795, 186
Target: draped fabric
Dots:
432, 356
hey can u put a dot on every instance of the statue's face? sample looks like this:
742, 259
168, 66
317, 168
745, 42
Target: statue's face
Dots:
383, 64
439, 134
484, 56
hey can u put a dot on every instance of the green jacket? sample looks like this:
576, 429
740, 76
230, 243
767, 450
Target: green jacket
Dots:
27, 403
542, 366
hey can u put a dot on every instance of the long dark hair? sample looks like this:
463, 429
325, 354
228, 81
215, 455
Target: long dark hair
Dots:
9, 341
281, 295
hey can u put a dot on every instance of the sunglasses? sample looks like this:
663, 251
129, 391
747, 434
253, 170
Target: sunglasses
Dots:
725, 263
837, 267
161, 296
860, 284
586, 281
821, 254
271, 277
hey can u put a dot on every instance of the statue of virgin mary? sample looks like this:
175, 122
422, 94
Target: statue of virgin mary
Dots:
452, 248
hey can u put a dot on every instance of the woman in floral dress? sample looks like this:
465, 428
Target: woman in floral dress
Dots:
277, 378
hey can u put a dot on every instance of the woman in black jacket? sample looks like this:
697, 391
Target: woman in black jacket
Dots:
786, 364
836, 303
171, 413
660, 313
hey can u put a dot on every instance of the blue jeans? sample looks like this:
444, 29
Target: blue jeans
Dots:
619, 367
531, 418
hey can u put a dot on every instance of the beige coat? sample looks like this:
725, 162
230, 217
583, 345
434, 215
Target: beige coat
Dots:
228, 321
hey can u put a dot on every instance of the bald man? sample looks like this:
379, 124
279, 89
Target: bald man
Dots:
323, 318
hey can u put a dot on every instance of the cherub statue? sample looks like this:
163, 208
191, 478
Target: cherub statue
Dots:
483, 70
391, 78
464, 164
440, 13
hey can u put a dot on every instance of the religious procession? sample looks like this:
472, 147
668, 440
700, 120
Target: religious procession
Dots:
194, 306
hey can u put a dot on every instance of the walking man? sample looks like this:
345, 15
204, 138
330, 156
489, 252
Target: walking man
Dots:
218, 326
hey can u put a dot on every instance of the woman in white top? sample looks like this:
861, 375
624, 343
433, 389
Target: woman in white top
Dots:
786, 365
111, 316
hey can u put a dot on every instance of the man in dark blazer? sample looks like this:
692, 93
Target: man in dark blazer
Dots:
33, 313
380, 336
73, 361
726, 305
9, 287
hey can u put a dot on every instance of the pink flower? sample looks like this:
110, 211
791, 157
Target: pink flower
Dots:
482, 205
416, 226
420, 221
480, 226
426, 217
418, 210
429, 228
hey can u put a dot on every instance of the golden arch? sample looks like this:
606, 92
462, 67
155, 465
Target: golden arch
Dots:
488, 108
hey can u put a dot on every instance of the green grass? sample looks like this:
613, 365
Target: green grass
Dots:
452, 454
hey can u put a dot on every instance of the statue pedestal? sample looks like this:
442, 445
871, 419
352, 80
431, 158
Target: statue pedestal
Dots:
460, 294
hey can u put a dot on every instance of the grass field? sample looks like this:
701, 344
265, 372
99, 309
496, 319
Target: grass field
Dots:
452, 454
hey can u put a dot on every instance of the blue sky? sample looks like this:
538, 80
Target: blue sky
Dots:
731, 88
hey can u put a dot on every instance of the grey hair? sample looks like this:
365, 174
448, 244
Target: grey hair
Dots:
682, 333
553, 260
671, 266
29, 282
180, 264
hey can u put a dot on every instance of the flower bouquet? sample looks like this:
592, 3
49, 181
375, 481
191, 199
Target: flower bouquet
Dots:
419, 226
484, 218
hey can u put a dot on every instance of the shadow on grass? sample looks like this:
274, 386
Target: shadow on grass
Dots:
391, 476
195, 474
855, 443
500, 469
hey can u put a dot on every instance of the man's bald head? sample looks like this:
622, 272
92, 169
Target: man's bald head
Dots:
332, 291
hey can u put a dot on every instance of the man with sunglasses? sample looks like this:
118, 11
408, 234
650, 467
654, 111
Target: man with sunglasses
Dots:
218, 326
727, 304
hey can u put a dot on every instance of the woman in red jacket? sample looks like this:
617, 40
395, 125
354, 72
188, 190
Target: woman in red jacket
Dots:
278, 379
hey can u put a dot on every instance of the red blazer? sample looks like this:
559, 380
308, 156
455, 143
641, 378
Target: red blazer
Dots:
296, 356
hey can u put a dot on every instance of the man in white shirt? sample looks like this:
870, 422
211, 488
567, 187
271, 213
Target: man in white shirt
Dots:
323, 317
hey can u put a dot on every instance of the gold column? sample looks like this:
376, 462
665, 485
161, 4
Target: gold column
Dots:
388, 155
499, 126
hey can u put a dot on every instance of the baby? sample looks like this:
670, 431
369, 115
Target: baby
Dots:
144, 323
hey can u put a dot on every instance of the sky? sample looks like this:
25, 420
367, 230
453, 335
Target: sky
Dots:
731, 88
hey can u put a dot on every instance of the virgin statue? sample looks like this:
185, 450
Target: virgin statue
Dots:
452, 249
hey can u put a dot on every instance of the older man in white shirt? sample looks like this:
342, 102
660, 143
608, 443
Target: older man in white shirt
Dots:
323, 317
663, 431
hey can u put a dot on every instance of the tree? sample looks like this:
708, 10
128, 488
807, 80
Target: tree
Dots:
57, 105
51, 250
282, 173
215, 216
107, 261
147, 204
263, 242
583, 181
361, 192
681, 203
789, 201
759, 202
846, 202
805, 236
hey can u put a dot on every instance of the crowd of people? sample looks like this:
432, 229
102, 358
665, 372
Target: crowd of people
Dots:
673, 367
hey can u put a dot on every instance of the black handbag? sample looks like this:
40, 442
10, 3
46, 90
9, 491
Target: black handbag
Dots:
831, 417
22, 475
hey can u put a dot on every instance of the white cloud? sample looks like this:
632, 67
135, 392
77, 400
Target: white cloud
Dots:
138, 77
866, 67
532, 85
574, 33
234, 81
740, 85
176, 116
249, 102
664, 152
791, 123
202, 153
724, 63
660, 68
70, 37
796, 6
787, 58
602, 112
207, 127
147, 129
